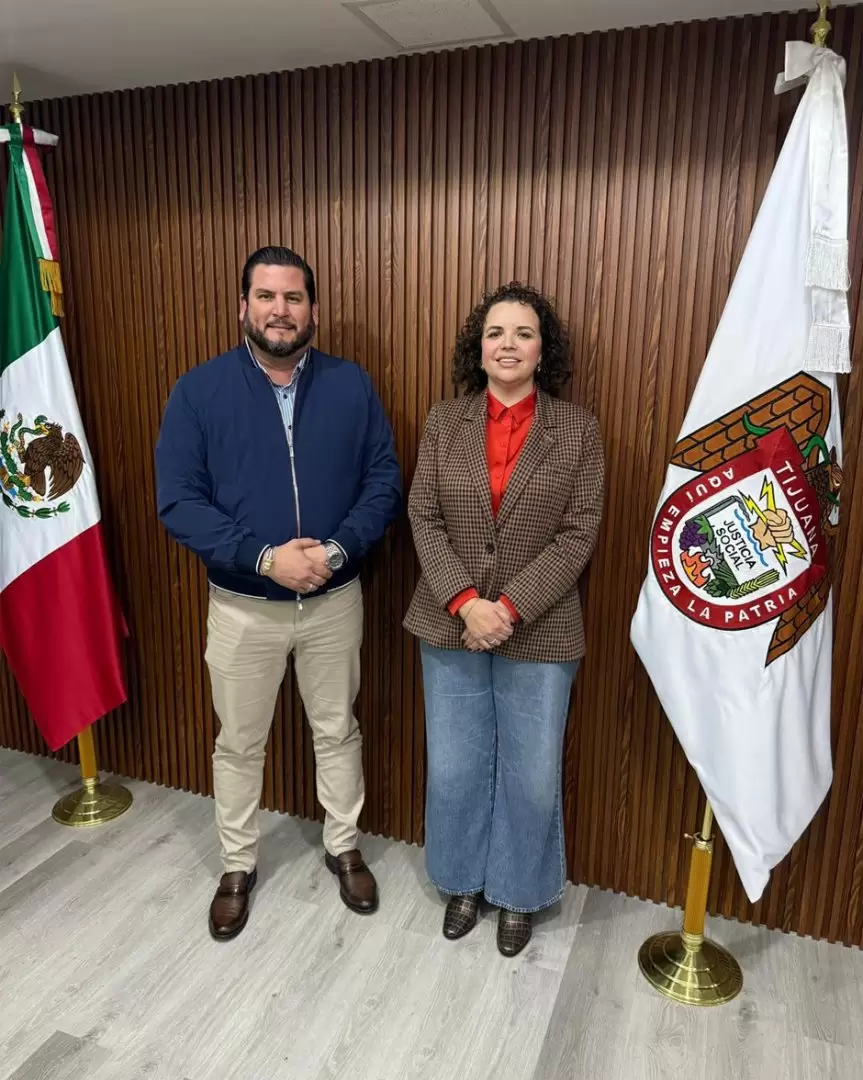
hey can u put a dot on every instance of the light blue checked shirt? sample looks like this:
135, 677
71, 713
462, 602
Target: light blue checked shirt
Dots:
286, 396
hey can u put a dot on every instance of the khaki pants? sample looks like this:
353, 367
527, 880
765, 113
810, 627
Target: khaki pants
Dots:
248, 644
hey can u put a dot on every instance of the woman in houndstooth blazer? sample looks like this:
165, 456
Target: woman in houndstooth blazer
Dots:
505, 508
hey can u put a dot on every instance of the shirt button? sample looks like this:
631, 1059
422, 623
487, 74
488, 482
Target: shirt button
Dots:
490, 548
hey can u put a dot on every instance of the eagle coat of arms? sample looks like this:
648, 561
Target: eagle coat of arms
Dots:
39, 465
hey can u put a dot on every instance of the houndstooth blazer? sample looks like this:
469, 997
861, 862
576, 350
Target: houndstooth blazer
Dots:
540, 543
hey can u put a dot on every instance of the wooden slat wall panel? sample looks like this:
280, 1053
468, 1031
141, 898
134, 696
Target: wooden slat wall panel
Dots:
621, 173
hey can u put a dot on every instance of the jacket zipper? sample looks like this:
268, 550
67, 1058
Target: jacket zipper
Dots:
296, 498
290, 435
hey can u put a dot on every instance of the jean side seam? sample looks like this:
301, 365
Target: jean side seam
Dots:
560, 827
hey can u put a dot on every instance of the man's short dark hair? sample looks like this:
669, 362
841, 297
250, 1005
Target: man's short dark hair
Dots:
277, 256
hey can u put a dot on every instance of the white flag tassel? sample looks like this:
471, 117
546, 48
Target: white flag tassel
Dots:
734, 620
827, 274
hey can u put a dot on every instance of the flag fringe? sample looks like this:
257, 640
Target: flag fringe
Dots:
827, 263
49, 271
829, 349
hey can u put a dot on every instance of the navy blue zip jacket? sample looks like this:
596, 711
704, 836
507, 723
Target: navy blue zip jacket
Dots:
223, 467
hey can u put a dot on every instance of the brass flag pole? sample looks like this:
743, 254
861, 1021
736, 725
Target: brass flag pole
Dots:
687, 966
93, 803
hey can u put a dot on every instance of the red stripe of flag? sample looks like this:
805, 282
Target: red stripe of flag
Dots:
33, 157
61, 629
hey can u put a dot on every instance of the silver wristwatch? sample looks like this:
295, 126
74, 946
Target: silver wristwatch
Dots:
335, 556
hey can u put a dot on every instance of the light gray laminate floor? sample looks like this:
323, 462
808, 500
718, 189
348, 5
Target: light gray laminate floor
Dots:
107, 971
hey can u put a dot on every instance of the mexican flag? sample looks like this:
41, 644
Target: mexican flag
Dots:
60, 625
734, 621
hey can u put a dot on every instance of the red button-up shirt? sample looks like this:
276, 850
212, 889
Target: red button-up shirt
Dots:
506, 430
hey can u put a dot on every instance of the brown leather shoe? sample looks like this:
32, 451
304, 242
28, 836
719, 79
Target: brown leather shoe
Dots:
460, 916
513, 931
229, 911
357, 885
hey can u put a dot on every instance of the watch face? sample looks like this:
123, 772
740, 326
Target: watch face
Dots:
335, 558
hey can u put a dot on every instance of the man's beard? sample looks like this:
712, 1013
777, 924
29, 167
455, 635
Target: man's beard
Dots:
279, 350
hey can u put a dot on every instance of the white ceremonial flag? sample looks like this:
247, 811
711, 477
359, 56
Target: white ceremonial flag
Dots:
734, 620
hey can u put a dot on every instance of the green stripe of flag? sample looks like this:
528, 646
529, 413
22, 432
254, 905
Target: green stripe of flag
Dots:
26, 318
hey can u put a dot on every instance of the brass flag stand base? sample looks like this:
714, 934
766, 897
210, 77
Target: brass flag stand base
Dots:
706, 975
686, 967
94, 803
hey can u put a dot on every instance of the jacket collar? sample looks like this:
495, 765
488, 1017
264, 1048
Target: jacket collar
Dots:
245, 354
302, 363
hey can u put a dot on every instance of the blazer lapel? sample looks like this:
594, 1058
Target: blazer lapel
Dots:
473, 441
536, 447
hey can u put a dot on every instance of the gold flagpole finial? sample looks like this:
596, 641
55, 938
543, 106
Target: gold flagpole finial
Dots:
16, 109
821, 27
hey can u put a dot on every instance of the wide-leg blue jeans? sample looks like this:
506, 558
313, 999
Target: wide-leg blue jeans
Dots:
494, 816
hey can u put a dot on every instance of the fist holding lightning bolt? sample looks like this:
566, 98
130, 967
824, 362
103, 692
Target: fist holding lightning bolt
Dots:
773, 529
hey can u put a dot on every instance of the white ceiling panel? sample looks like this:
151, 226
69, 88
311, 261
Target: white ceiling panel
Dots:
64, 47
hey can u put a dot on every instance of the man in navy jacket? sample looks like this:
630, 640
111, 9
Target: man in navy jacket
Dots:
276, 467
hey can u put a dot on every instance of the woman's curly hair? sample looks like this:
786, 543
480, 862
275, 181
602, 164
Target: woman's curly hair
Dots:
555, 369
